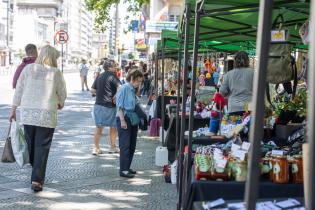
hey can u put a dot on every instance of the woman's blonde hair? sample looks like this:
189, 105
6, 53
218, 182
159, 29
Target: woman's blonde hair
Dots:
48, 56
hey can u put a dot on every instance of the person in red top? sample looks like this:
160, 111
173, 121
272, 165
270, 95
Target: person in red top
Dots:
31, 55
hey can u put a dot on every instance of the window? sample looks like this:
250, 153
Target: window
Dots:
41, 31
172, 18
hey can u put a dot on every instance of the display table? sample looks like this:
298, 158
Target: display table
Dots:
198, 205
231, 190
170, 137
206, 140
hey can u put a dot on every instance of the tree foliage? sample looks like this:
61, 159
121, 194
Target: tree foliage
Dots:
102, 8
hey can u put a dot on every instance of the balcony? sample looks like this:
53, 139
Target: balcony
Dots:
39, 3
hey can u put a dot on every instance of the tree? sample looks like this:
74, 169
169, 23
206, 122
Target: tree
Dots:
102, 7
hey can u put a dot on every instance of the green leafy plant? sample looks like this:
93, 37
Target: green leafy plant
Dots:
298, 104
102, 7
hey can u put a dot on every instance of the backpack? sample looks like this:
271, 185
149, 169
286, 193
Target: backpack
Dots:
281, 67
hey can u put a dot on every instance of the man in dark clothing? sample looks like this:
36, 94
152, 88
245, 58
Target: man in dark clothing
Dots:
105, 88
31, 55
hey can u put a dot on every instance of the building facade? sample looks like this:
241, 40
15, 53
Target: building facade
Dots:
114, 31
79, 23
34, 22
6, 36
161, 14
99, 45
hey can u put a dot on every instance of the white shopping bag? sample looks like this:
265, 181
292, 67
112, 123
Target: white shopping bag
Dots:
174, 172
92, 113
19, 145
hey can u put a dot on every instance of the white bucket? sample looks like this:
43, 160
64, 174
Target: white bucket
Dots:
161, 156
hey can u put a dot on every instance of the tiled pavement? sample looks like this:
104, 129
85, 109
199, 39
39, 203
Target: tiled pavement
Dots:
76, 179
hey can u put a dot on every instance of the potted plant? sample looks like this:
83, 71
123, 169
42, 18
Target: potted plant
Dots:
290, 114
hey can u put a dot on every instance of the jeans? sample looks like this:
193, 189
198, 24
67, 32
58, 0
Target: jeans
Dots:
38, 141
127, 143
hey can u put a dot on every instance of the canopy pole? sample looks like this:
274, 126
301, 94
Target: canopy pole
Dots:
258, 101
183, 117
162, 96
156, 72
178, 98
192, 99
310, 202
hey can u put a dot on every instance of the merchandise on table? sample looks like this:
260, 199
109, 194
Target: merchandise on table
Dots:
229, 162
279, 204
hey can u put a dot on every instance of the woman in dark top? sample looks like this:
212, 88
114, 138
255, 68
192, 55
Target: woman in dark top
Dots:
105, 88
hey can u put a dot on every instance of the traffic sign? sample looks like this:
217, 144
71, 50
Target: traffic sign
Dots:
61, 37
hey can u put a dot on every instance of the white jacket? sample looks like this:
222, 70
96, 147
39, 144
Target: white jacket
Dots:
38, 92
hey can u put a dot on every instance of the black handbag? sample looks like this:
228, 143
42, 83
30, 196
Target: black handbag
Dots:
7, 155
143, 125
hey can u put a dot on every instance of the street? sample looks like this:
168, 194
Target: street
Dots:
75, 179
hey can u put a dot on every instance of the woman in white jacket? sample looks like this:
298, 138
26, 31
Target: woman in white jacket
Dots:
40, 92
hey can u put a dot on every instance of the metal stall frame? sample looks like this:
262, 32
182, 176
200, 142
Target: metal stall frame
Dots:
178, 96
310, 203
184, 93
162, 95
258, 100
156, 73
199, 5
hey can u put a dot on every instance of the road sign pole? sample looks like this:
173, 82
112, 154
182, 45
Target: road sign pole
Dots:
62, 58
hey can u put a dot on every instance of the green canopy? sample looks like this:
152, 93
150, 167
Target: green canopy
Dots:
171, 44
237, 21
229, 25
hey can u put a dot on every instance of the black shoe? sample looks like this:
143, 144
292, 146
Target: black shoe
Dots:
37, 187
126, 174
132, 171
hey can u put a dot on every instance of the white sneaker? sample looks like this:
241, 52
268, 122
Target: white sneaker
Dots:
96, 151
113, 150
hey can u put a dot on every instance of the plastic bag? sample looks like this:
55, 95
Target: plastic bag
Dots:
19, 145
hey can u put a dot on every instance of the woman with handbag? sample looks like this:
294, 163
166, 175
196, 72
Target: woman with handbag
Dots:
40, 92
128, 121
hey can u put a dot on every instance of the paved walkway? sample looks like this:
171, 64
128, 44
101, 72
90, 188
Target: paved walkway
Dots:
76, 179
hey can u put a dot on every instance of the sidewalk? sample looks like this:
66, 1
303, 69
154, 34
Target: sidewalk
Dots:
75, 179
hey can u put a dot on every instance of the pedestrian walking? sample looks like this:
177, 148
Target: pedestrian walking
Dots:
84, 69
31, 55
128, 121
145, 85
105, 88
98, 70
40, 92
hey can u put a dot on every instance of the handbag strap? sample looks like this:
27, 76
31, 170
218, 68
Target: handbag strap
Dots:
9, 130
279, 20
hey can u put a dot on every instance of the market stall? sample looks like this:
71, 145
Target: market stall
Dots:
238, 20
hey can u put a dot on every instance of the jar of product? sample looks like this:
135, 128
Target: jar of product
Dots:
280, 170
218, 173
230, 168
271, 162
297, 169
265, 168
240, 169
